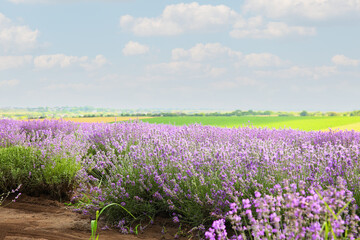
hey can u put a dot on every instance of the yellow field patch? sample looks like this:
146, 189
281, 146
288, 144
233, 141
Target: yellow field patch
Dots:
353, 126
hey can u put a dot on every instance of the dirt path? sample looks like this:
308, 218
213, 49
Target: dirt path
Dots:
43, 219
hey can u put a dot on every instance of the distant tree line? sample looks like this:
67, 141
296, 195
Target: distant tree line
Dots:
88, 111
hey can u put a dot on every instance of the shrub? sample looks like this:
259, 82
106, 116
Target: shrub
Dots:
17, 165
37, 174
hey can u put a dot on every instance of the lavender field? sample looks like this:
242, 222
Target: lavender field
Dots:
239, 183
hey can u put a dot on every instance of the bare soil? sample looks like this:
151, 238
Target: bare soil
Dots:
44, 219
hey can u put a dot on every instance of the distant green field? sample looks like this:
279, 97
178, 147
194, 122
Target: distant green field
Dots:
301, 123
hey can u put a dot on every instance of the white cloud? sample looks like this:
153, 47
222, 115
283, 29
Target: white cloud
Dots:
180, 18
7, 62
64, 61
108, 78
174, 67
70, 86
216, 72
300, 72
148, 26
246, 81
344, 61
256, 28
237, 82
4, 20
16, 37
261, 60
310, 9
201, 52
185, 68
57, 60
224, 85
98, 62
208, 61
216, 51
29, 1
134, 48
9, 83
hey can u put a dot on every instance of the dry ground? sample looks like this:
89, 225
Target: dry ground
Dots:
38, 218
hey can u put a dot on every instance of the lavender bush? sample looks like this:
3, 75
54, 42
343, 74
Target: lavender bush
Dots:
44, 157
292, 213
193, 174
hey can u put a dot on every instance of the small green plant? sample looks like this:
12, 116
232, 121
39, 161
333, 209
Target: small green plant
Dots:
327, 227
94, 223
164, 230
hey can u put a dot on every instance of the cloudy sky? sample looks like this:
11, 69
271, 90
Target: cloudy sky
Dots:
254, 54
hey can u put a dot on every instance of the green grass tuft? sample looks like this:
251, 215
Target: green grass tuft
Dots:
37, 175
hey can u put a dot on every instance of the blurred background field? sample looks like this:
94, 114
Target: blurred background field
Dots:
307, 121
300, 123
98, 119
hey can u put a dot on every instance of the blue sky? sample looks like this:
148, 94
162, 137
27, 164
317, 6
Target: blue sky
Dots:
259, 54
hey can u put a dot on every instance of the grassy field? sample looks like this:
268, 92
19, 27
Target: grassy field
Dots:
301, 123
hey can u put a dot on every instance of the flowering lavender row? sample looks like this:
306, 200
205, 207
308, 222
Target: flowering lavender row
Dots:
291, 213
194, 173
50, 137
